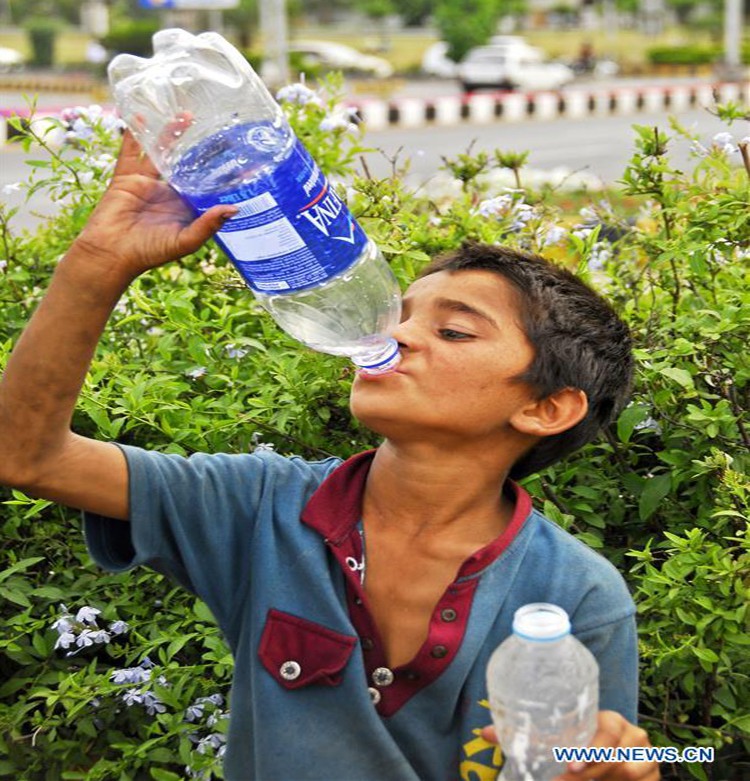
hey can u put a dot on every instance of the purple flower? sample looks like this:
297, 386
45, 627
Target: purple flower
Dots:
130, 675
118, 627
153, 704
299, 94
236, 352
63, 624
87, 615
132, 697
194, 712
65, 640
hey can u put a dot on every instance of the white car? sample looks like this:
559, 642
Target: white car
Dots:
10, 59
337, 56
511, 64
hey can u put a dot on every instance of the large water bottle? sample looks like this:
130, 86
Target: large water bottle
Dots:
543, 688
216, 134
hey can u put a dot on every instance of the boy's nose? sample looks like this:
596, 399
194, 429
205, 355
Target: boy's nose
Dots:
406, 334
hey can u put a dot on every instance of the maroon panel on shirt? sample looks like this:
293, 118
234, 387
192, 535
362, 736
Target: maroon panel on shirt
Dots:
334, 510
298, 652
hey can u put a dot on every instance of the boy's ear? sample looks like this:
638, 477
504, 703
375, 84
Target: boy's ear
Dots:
553, 414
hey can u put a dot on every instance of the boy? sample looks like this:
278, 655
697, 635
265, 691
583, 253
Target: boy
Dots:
361, 600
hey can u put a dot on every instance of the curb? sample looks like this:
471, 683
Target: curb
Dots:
484, 108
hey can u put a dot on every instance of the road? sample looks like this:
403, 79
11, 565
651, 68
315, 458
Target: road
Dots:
598, 146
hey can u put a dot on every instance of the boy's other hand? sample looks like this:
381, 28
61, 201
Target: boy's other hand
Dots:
141, 222
615, 731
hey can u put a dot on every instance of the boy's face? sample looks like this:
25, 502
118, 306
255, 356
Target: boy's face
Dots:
461, 345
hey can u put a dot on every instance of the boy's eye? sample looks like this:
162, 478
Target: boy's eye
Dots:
454, 336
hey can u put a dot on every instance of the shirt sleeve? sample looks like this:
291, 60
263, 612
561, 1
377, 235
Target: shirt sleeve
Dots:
195, 519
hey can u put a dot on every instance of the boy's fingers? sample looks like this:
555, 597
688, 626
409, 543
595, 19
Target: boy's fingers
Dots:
200, 230
133, 160
615, 731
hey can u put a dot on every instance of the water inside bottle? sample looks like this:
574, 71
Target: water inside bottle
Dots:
237, 155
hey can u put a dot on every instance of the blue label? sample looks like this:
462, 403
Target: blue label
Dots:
292, 231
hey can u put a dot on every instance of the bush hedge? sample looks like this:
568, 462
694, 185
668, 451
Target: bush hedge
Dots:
126, 677
694, 54
132, 37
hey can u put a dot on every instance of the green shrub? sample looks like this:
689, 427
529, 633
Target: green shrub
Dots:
189, 362
43, 36
682, 55
690, 55
133, 37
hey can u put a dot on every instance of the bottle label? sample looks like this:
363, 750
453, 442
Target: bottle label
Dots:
292, 231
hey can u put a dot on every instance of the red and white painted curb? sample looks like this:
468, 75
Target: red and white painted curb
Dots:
489, 107
569, 103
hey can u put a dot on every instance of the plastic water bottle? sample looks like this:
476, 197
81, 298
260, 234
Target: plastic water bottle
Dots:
216, 135
543, 688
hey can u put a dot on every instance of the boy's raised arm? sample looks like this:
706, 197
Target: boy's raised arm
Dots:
139, 224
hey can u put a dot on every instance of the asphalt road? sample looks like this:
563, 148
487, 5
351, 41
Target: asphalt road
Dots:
598, 147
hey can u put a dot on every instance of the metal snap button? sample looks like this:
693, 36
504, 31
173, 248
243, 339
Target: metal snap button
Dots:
382, 676
290, 670
439, 652
448, 614
375, 695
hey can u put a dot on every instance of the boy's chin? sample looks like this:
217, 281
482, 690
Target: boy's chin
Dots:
377, 421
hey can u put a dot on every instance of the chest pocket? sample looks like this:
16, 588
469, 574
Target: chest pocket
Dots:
298, 652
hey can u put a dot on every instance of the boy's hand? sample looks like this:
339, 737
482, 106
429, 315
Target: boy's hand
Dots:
141, 222
615, 731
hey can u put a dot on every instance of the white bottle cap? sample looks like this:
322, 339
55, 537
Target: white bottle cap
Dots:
385, 362
541, 621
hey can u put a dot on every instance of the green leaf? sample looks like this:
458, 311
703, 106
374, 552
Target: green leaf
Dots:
654, 490
706, 654
680, 376
630, 417
590, 539
163, 775
161, 754
49, 592
202, 612
19, 566
742, 723
14, 595
696, 770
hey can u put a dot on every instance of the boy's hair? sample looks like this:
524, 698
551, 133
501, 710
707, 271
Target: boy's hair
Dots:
578, 341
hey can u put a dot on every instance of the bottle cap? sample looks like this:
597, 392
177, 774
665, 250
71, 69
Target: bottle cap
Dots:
541, 621
387, 360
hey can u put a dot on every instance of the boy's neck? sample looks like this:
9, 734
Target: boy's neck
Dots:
421, 490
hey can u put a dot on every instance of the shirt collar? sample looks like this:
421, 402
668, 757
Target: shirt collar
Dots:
334, 510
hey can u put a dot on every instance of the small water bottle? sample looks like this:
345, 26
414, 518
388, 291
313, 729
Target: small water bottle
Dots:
543, 688
217, 136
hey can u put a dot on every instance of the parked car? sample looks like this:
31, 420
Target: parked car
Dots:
10, 59
508, 62
336, 56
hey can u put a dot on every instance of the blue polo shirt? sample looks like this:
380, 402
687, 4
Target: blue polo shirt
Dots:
274, 546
